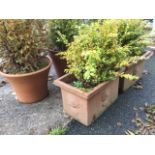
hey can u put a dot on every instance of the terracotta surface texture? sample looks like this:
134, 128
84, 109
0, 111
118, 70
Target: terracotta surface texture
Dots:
30, 87
59, 64
86, 107
135, 69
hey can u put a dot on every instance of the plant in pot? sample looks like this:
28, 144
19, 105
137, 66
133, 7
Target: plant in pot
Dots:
61, 32
23, 63
132, 34
94, 61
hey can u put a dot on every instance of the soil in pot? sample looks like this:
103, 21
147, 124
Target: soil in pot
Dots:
59, 64
86, 107
30, 87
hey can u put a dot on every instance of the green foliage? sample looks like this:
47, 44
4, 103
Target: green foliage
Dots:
95, 54
132, 33
58, 131
20, 43
102, 48
62, 32
89, 21
79, 84
128, 76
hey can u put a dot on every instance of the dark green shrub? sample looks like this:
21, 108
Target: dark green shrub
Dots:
20, 43
89, 21
62, 32
132, 33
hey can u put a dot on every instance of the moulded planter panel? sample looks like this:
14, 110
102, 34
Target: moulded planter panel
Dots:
87, 107
75, 106
102, 100
135, 69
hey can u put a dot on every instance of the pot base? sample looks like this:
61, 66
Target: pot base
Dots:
35, 102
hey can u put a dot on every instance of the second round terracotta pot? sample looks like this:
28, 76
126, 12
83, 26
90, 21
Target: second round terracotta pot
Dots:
59, 64
30, 87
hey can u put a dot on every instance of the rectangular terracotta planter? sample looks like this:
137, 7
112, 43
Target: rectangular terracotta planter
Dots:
85, 107
133, 69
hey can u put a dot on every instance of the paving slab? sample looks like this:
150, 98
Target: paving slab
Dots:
25, 119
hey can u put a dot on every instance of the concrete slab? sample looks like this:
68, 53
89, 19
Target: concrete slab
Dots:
38, 118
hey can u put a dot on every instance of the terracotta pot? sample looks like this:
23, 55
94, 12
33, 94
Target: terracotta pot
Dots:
59, 64
85, 107
133, 69
30, 87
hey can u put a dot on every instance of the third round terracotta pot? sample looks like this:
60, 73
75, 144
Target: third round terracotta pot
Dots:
30, 87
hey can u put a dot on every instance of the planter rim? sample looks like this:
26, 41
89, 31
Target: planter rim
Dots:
31, 73
86, 95
146, 55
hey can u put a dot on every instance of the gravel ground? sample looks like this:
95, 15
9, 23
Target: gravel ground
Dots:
118, 118
38, 118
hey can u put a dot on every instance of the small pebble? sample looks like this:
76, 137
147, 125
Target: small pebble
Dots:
50, 78
145, 72
141, 108
119, 124
135, 109
13, 93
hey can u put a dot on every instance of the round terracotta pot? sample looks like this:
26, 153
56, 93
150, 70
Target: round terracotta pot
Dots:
30, 87
59, 64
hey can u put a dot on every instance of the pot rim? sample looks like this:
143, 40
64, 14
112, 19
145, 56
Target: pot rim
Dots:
31, 73
87, 95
